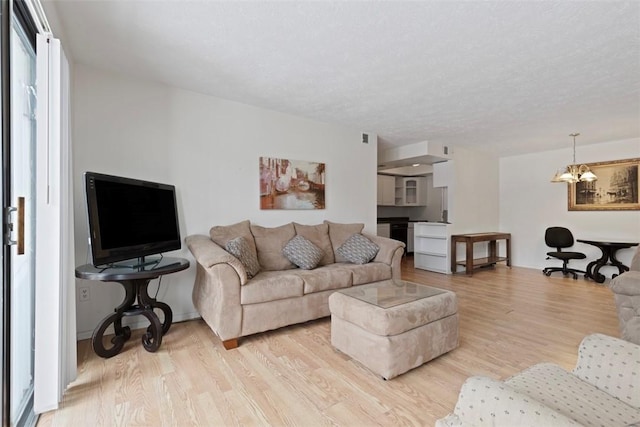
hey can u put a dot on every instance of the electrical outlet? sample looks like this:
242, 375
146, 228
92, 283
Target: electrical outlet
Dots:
84, 294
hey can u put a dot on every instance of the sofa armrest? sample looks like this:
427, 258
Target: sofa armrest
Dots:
390, 252
627, 283
635, 261
612, 365
216, 291
208, 253
487, 402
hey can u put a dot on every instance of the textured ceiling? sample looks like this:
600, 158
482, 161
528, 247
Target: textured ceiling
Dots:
507, 77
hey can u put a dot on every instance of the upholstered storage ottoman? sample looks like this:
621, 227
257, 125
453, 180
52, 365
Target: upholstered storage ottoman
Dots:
393, 326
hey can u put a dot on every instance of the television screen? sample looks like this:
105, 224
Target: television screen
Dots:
130, 218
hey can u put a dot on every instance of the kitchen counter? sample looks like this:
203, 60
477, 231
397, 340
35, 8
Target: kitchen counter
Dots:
393, 220
431, 246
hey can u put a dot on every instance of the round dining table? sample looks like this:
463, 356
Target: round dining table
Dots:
608, 257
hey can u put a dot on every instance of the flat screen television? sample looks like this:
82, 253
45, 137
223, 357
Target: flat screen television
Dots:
130, 219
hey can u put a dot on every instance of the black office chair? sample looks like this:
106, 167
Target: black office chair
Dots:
559, 238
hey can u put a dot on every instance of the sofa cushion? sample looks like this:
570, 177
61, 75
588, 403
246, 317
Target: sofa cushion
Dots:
269, 243
221, 234
271, 286
303, 253
319, 235
339, 233
239, 247
358, 249
367, 273
564, 392
325, 278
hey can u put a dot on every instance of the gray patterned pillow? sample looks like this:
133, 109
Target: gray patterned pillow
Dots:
358, 249
239, 248
303, 253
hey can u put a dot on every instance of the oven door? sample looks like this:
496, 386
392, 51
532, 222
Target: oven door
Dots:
399, 232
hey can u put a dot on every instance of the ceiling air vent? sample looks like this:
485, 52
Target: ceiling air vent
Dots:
365, 138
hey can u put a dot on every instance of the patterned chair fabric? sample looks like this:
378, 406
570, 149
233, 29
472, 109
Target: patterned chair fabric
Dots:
602, 390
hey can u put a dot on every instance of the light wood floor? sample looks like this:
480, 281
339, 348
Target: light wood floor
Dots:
509, 319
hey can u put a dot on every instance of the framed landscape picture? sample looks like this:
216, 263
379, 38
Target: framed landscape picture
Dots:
291, 184
616, 188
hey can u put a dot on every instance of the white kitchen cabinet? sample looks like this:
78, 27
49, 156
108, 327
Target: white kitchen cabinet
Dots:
410, 233
431, 247
411, 191
443, 174
386, 190
384, 230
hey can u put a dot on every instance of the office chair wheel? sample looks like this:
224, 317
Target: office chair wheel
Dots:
546, 273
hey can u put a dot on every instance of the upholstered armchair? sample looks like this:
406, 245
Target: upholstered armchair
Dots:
626, 289
602, 390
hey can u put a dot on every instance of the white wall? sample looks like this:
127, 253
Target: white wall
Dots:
209, 149
529, 203
473, 200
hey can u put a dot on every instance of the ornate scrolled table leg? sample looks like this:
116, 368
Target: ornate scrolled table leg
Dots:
593, 269
599, 278
615, 262
152, 339
121, 334
156, 329
589, 270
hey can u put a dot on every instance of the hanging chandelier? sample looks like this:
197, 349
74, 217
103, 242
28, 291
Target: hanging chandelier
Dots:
574, 173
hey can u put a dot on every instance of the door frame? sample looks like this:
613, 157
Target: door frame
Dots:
20, 10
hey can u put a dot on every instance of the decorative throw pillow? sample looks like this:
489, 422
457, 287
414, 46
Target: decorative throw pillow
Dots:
221, 234
303, 253
339, 233
358, 249
319, 236
239, 248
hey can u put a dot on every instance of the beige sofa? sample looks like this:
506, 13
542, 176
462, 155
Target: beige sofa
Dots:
626, 289
602, 390
235, 305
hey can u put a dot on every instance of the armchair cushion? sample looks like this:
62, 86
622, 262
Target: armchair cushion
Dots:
487, 402
576, 398
612, 365
602, 390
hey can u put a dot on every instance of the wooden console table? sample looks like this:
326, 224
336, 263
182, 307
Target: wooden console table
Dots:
469, 239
